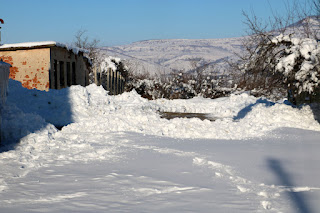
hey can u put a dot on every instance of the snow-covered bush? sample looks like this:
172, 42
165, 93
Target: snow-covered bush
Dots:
110, 63
254, 71
178, 86
272, 61
282, 64
298, 62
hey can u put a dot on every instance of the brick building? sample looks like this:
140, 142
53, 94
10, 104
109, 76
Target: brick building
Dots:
46, 65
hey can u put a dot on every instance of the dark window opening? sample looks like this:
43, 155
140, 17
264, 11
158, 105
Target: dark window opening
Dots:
55, 74
69, 80
74, 73
62, 80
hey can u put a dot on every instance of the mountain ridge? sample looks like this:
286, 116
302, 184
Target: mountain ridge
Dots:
168, 55
156, 56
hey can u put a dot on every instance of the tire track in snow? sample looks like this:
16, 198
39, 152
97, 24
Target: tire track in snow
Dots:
264, 194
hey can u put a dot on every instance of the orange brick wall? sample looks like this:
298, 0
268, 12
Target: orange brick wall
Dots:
30, 67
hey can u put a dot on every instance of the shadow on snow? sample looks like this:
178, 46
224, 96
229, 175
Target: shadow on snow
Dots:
298, 199
29, 111
242, 113
315, 107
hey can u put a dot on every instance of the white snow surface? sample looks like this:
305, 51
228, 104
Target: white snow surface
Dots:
115, 154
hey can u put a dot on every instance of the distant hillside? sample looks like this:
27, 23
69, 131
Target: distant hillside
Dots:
175, 54
163, 56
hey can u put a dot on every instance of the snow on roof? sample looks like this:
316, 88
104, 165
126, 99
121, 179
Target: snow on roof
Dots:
75, 50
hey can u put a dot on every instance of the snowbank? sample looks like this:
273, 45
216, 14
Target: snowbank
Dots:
91, 108
125, 132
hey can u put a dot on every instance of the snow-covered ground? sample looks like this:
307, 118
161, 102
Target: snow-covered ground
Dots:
116, 154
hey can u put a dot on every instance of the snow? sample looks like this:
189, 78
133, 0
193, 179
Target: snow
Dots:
157, 57
302, 53
75, 50
163, 56
115, 154
109, 62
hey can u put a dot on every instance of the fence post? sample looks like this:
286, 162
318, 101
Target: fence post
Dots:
119, 82
97, 75
108, 79
123, 82
111, 81
116, 84
120, 85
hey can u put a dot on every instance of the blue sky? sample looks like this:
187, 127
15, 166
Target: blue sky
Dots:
124, 21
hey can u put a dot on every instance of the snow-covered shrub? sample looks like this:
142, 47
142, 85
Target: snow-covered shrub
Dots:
254, 70
270, 42
282, 64
178, 86
110, 62
113, 64
298, 62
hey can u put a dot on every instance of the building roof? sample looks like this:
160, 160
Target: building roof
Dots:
41, 44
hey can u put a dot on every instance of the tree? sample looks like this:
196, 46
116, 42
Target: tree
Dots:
83, 42
258, 68
316, 7
91, 46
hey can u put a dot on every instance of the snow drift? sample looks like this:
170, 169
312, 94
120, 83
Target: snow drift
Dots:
238, 117
118, 148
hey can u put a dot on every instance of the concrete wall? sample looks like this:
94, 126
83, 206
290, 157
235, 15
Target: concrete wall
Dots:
64, 64
30, 67
4, 77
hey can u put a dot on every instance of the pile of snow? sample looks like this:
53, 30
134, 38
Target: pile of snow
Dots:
238, 116
118, 148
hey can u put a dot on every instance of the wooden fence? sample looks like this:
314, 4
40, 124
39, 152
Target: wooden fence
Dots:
111, 80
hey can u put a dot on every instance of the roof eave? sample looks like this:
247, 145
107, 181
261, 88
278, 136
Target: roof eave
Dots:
27, 48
